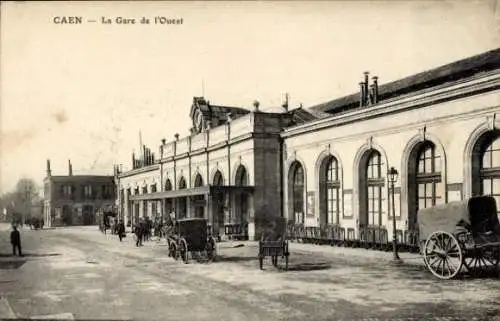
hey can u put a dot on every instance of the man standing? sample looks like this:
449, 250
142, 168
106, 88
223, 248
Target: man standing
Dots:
121, 230
15, 240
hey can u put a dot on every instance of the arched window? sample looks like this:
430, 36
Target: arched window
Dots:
428, 176
371, 196
168, 185
329, 191
182, 201
241, 198
424, 181
218, 179
219, 198
154, 204
198, 181
486, 166
198, 200
296, 178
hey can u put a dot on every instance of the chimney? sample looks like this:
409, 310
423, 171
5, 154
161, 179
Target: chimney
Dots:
256, 105
133, 161
49, 173
70, 168
285, 103
375, 89
362, 94
367, 93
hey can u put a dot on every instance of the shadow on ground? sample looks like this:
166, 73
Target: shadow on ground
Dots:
31, 254
236, 259
11, 264
308, 266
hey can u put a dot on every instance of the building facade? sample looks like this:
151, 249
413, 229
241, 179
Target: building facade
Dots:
328, 164
76, 199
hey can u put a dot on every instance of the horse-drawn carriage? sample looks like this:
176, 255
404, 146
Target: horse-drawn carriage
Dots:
189, 235
460, 234
274, 243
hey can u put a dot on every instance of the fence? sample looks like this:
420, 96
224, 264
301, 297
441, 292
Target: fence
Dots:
369, 237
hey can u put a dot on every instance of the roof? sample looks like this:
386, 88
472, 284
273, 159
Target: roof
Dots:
216, 112
301, 116
86, 178
461, 69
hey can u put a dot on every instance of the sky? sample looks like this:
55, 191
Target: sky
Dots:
85, 91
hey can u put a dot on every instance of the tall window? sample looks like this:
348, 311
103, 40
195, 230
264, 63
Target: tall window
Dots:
332, 188
241, 198
67, 191
168, 202
107, 191
298, 193
490, 170
428, 176
87, 191
168, 185
198, 200
182, 201
374, 188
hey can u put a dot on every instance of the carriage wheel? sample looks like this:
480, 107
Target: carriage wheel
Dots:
482, 260
175, 252
184, 251
211, 248
443, 255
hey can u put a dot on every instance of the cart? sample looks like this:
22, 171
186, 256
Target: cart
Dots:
458, 235
189, 235
274, 243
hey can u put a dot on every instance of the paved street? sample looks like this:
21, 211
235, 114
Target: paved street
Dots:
80, 273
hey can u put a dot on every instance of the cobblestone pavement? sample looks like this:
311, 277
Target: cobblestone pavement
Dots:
80, 273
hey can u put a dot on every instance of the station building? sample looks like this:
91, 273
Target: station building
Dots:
328, 164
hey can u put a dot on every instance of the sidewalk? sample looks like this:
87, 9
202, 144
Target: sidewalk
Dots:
249, 249
333, 252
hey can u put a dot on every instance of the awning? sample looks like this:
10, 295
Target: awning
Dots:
203, 190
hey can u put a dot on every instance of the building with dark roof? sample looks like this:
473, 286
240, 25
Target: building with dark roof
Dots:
326, 167
76, 199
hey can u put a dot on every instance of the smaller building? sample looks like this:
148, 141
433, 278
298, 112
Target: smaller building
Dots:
76, 199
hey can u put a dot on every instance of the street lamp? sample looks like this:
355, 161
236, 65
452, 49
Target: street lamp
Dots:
393, 177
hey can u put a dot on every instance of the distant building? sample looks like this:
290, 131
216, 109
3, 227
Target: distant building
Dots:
75, 199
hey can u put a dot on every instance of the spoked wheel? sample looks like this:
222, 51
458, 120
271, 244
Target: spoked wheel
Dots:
183, 249
443, 255
210, 247
481, 261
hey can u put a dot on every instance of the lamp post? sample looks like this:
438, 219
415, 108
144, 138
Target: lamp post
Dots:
393, 177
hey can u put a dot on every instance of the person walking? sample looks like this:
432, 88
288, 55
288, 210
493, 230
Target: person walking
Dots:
138, 234
15, 240
121, 230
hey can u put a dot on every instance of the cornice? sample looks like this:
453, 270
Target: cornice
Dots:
457, 90
140, 170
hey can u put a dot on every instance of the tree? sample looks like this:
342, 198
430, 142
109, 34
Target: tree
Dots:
19, 202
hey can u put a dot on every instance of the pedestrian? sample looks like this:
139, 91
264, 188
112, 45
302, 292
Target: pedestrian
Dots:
138, 234
15, 240
121, 230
